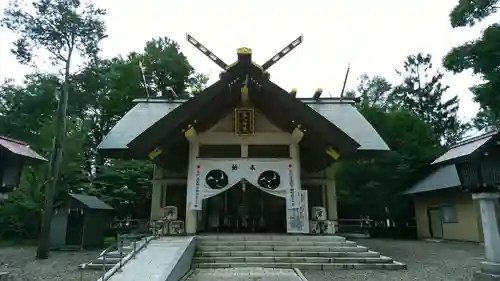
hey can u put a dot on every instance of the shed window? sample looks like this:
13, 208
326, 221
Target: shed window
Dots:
268, 151
449, 214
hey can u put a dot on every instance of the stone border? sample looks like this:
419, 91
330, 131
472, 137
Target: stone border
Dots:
188, 274
299, 274
183, 259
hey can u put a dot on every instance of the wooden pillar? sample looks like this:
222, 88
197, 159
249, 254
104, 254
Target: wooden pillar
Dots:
156, 194
191, 215
331, 195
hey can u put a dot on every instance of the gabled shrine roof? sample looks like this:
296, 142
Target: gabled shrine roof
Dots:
147, 112
446, 175
465, 148
142, 116
351, 121
20, 148
333, 127
90, 202
443, 178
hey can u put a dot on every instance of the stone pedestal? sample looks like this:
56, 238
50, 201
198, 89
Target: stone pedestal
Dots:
489, 269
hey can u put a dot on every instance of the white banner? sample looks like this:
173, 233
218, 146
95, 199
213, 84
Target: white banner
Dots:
298, 218
214, 176
304, 210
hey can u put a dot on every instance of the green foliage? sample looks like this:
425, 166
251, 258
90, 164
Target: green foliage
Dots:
167, 71
470, 12
101, 93
413, 142
422, 93
374, 91
126, 185
62, 28
413, 145
480, 55
57, 26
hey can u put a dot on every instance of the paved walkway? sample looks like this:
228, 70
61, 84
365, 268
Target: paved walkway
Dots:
244, 274
153, 262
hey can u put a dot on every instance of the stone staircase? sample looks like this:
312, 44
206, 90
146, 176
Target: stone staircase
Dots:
287, 251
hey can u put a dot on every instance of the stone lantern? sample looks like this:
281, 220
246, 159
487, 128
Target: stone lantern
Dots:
480, 175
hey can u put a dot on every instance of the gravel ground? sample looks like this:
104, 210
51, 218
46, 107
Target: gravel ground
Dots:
450, 261
61, 266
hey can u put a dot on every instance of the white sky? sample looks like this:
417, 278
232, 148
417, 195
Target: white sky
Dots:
374, 36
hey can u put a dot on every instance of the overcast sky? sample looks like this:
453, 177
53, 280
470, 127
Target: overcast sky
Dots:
374, 36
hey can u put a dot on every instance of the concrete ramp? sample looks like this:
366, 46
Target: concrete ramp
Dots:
163, 259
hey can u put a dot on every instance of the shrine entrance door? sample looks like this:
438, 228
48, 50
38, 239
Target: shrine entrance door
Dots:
244, 208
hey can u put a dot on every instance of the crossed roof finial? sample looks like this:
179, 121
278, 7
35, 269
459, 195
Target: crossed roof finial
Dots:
245, 51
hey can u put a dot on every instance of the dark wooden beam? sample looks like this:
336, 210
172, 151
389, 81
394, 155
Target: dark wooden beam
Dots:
218, 108
177, 119
312, 121
282, 53
206, 52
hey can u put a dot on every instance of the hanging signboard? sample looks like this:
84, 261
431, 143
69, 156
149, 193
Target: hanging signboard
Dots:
244, 121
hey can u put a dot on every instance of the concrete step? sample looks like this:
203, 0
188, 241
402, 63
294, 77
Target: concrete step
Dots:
276, 243
236, 237
129, 248
116, 254
307, 266
367, 254
97, 266
294, 260
101, 260
282, 248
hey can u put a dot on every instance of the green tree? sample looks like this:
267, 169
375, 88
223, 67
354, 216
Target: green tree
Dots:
374, 90
64, 28
422, 93
470, 12
167, 71
413, 145
26, 113
108, 88
481, 55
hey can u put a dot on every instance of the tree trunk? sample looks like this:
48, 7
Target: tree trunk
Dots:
54, 167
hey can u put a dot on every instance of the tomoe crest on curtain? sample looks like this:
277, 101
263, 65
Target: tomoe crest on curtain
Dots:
214, 176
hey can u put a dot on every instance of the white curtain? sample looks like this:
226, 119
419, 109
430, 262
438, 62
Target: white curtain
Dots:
211, 177
214, 176
269, 175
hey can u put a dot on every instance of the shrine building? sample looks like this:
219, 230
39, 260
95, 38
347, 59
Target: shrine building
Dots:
244, 155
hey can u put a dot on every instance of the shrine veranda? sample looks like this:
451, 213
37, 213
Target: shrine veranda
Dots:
244, 155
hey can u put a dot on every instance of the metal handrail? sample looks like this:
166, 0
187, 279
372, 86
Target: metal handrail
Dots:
119, 245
